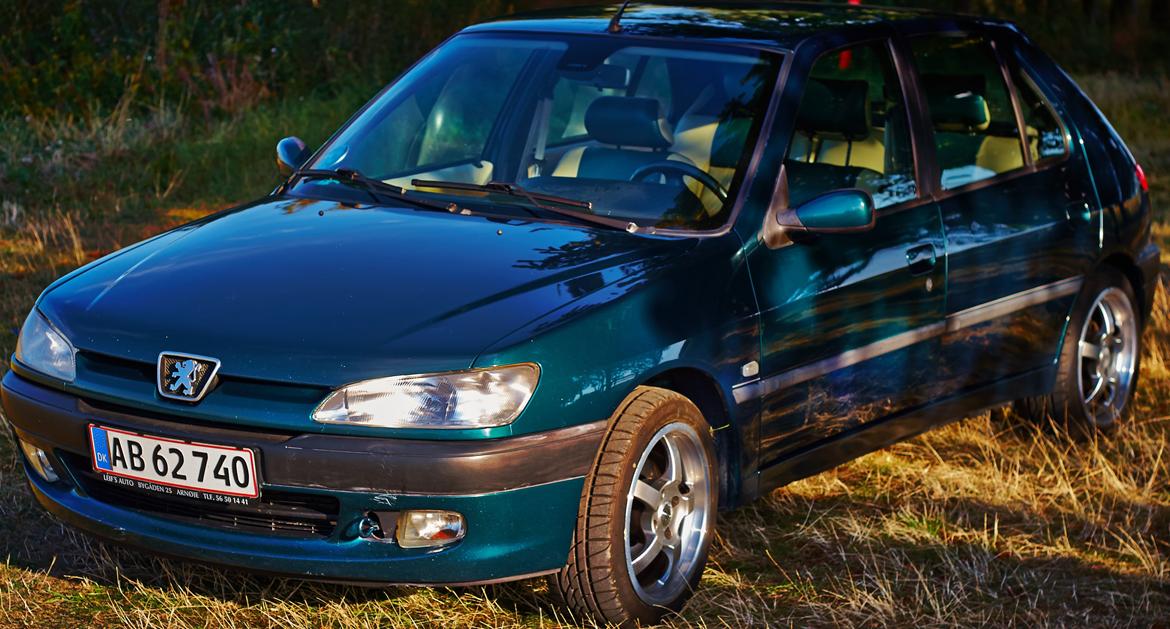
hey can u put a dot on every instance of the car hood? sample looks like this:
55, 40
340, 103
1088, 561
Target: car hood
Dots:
316, 292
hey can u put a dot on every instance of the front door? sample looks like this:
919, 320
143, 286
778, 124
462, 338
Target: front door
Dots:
850, 322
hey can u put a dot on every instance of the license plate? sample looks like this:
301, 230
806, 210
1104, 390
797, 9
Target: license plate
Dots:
179, 468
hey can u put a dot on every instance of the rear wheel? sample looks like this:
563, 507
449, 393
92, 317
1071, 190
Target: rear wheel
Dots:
647, 513
1099, 361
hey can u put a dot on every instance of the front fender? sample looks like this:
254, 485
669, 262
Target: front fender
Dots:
696, 312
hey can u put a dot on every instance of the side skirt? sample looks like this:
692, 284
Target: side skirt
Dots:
876, 435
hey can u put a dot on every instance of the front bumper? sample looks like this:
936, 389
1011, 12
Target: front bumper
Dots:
519, 496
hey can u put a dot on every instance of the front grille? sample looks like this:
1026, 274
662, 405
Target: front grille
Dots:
275, 512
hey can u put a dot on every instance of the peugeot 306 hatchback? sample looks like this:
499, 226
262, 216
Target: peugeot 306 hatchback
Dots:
576, 281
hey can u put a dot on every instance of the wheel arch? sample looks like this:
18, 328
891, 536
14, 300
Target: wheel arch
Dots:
1124, 263
704, 391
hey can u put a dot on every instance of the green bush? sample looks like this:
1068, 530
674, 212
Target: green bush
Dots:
78, 58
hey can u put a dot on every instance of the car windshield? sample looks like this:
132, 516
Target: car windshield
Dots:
655, 134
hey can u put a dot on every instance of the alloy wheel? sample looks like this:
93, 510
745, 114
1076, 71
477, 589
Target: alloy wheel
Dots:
668, 514
1107, 356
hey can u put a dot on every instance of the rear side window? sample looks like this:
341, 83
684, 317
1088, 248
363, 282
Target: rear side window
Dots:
1046, 137
975, 131
851, 130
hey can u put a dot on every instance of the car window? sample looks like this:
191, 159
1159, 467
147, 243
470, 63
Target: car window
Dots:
1114, 169
654, 133
653, 81
440, 117
701, 108
852, 130
1046, 137
975, 131
571, 99
648, 77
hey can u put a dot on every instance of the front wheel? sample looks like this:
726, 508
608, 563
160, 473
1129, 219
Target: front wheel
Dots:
1099, 362
647, 513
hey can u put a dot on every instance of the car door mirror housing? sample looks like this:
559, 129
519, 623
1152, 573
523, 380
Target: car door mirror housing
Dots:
840, 211
291, 154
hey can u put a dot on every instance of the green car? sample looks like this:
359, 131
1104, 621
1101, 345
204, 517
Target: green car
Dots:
577, 281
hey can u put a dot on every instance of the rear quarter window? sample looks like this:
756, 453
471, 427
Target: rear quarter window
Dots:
1110, 160
1042, 127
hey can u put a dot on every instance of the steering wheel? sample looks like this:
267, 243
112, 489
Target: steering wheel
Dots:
675, 171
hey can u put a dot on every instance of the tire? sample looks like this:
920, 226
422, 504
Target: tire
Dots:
1075, 404
600, 581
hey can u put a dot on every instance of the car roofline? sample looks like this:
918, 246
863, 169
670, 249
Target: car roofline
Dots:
595, 19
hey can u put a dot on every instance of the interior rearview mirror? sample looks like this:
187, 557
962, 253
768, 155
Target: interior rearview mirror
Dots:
291, 154
605, 76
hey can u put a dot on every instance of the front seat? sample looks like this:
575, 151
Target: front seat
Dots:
712, 140
633, 133
835, 126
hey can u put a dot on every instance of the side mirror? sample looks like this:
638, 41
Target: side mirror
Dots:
836, 212
291, 154
839, 211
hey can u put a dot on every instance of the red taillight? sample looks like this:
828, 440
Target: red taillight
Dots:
1141, 175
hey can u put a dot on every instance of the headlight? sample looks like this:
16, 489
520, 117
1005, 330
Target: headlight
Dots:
42, 348
478, 398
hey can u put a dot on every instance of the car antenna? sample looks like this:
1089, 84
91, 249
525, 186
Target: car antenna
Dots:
615, 24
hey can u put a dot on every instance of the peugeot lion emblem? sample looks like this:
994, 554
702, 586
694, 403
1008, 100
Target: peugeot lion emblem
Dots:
185, 377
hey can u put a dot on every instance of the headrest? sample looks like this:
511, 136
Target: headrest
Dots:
835, 107
957, 102
625, 121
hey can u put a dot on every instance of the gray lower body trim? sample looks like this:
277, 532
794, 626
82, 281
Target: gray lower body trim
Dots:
953, 323
1013, 303
852, 357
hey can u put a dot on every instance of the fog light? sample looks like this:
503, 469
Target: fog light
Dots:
377, 526
39, 461
424, 529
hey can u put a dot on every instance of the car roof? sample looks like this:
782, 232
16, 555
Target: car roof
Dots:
770, 24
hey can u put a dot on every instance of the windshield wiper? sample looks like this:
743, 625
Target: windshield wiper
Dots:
537, 199
376, 188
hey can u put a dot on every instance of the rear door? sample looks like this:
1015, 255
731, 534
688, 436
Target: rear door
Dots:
850, 322
1020, 217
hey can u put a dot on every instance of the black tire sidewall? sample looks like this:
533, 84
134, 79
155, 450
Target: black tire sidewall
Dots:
671, 409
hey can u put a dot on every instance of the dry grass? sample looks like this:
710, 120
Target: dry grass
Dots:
984, 522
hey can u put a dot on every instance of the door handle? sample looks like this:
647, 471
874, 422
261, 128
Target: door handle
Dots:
921, 259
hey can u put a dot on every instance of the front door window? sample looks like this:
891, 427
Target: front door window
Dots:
852, 131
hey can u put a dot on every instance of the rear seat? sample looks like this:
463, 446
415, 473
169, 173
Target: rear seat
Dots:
963, 126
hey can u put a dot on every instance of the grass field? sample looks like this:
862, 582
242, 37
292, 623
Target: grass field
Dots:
985, 521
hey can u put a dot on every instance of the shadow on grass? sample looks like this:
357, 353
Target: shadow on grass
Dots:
907, 560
